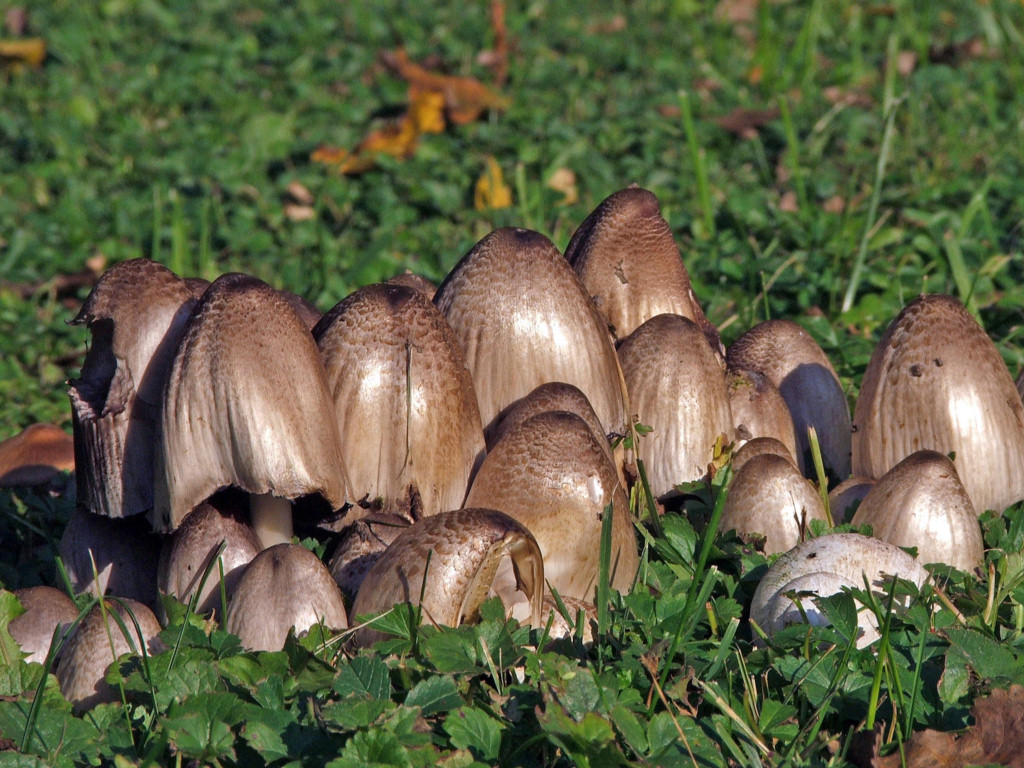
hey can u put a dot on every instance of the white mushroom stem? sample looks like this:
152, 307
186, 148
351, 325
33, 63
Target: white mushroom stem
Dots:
271, 518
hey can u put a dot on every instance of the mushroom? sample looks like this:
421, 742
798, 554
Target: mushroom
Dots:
36, 456
452, 560
414, 281
844, 498
406, 410
247, 405
284, 587
523, 319
921, 503
793, 362
759, 410
628, 261
578, 610
756, 447
552, 475
676, 387
105, 633
769, 496
824, 566
937, 382
359, 547
46, 609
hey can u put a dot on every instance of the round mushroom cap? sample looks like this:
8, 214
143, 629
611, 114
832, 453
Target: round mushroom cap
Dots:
246, 405
921, 503
452, 560
936, 381
552, 475
414, 281
794, 604
757, 447
404, 402
284, 586
87, 654
189, 553
136, 314
523, 319
792, 360
844, 498
304, 309
359, 547
35, 456
628, 261
676, 387
759, 410
768, 496
46, 609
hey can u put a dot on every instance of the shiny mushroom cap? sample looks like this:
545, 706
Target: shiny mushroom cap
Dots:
921, 503
792, 360
676, 387
769, 496
844, 498
937, 382
523, 319
284, 587
246, 405
759, 410
46, 609
406, 409
136, 314
452, 559
552, 475
359, 547
756, 447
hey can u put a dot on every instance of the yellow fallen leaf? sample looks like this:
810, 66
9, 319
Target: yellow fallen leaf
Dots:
465, 98
564, 180
426, 109
491, 190
30, 51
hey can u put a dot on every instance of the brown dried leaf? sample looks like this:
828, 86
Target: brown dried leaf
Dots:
736, 11
954, 54
906, 62
295, 212
745, 122
835, 204
836, 95
616, 23
28, 52
298, 192
36, 456
496, 59
788, 203
15, 20
564, 180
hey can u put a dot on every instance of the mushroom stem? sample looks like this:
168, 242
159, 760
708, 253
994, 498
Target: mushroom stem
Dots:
271, 518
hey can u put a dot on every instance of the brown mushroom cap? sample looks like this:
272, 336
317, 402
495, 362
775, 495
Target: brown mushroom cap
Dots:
676, 387
284, 586
769, 496
627, 259
756, 447
246, 404
406, 409
921, 503
577, 610
793, 362
552, 475
136, 313
36, 456
359, 547
46, 609
937, 382
414, 281
523, 319
88, 653
759, 410
452, 558
847, 495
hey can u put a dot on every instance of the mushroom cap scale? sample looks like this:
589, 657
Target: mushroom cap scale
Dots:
523, 319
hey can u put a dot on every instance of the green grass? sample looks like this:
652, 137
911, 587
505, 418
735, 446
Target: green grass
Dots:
159, 129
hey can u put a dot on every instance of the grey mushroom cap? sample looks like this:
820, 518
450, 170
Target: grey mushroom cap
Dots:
759, 410
359, 547
676, 387
246, 405
922, 503
88, 654
404, 402
136, 314
46, 610
453, 559
845, 497
936, 381
792, 360
523, 319
768, 496
756, 447
628, 261
285, 586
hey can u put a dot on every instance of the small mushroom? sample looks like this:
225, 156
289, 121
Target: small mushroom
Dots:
98, 641
46, 609
769, 496
284, 587
452, 559
921, 503
359, 547
759, 410
676, 387
523, 319
844, 498
936, 381
756, 447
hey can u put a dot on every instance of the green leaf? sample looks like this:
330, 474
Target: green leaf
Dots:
840, 610
349, 714
433, 695
580, 694
264, 731
630, 728
249, 670
200, 726
475, 730
366, 677
373, 749
953, 685
453, 649
988, 658
10, 609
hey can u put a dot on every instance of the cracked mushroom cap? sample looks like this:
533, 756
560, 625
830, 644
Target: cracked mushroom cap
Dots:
552, 475
284, 586
759, 410
676, 387
523, 319
246, 405
769, 496
404, 401
453, 559
136, 314
792, 360
88, 652
46, 609
936, 381
628, 261
922, 503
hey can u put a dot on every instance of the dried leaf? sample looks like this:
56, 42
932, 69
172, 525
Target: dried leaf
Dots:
836, 95
36, 456
736, 11
296, 212
616, 23
788, 203
954, 54
834, 204
745, 122
496, 59
491, 190
299, 193
426, 110
564, 180
28, 52
397, 139
906, 62
15, 20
